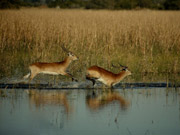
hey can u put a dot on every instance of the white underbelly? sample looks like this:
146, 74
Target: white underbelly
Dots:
49, 72
102, 80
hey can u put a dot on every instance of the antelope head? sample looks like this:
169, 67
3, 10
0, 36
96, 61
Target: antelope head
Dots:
70, 54
123, 68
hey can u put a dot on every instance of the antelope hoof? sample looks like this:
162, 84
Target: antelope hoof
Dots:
74, 79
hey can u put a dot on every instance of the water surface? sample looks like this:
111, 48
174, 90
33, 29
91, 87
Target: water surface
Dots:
91, 112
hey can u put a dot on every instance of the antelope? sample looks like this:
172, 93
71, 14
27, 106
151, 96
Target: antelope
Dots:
106, 77
55, 68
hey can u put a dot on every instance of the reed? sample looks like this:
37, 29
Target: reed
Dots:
145, 41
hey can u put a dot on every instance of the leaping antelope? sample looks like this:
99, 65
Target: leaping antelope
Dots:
108, 78
55, 68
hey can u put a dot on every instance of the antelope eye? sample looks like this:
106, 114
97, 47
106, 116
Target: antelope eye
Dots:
124, 69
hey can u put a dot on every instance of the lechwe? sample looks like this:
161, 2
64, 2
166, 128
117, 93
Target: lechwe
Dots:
108, 78
55, 68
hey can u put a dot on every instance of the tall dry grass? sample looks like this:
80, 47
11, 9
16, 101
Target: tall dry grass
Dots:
145, 41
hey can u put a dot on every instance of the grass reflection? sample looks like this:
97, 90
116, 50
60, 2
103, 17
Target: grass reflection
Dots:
3, 93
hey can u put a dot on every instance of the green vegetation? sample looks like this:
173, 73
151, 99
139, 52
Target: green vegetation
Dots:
95, 4
145, 41
10, 4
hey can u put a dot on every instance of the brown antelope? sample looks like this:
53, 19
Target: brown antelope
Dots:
55, 68
108, 78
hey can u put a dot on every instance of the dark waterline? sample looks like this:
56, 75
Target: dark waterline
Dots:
84, 85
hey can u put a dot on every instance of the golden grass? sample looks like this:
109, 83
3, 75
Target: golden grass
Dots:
145, 41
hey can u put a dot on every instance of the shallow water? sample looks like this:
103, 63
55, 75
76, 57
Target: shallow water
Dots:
90, 112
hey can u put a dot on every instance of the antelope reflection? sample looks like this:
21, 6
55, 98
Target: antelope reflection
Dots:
95, 101
40, 98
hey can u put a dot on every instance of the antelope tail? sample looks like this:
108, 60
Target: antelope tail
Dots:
27, 76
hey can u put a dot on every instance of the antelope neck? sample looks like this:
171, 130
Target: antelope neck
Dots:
67, 61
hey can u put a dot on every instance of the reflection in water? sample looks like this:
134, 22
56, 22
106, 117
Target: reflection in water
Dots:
96, 101
41, 98
156, 110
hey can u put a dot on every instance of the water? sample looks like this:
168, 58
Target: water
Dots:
90, 112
